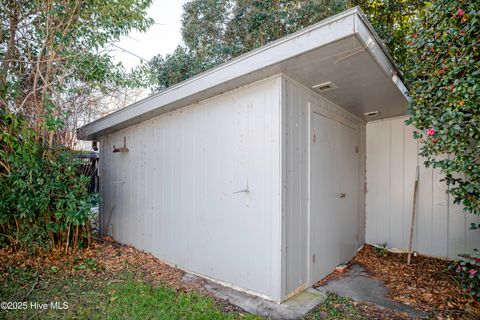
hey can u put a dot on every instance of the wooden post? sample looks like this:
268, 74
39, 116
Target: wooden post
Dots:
412, 224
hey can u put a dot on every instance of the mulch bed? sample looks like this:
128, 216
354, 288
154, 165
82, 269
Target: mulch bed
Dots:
109, 257
373, 311
426, 284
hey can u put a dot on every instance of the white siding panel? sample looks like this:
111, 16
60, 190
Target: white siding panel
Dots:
396, 222
423, 227
441, 228
439, 216
457, 222
175, 193
377, 140
382, 186
296, 180
373, 157
410, 160
361, 185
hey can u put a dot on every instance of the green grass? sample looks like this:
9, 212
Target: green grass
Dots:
142, 301
125, 295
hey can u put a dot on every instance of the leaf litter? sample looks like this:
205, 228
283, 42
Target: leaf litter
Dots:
106, 257
425, 284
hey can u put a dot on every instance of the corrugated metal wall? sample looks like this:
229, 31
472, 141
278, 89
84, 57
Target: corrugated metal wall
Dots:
178, 194
295, 206
442, 229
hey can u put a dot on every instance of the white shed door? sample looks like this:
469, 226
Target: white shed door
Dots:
333, 195
348, 181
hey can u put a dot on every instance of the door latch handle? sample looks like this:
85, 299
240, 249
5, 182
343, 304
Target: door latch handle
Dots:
343, 195
246, 190
241, 191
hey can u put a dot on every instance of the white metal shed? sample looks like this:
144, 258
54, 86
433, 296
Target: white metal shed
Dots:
253, 173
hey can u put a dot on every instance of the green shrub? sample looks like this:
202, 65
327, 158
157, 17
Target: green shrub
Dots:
445, 107
44, 201
468, 270
445, 90
381, 249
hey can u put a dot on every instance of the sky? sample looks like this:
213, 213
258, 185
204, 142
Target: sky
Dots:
162, 37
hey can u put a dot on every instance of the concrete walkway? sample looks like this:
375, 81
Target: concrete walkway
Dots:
294, 308
355, 284
358, 285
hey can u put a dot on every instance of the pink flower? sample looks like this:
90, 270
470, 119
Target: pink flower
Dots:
472, 272
460, 13
476, 259
430, 132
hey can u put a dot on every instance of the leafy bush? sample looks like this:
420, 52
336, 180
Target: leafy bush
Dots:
381, 249
445, 91
44, 201
468, 270
445, 107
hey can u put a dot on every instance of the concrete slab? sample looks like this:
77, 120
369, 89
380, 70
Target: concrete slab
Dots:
358, 285
294, 308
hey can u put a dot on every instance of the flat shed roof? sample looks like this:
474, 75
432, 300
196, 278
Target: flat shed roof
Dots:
343, 49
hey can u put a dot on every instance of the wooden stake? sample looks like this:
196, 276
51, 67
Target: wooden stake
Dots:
412, 224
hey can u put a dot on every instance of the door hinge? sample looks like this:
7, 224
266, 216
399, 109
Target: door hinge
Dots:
314, 138
356, 149
313, 258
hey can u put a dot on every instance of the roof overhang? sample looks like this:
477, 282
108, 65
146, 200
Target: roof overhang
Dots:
343, 49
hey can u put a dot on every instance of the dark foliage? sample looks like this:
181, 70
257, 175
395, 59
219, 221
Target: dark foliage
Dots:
44, 201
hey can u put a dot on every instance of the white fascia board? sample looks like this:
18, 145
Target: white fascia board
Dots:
226, 76
252, 66
377, 50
